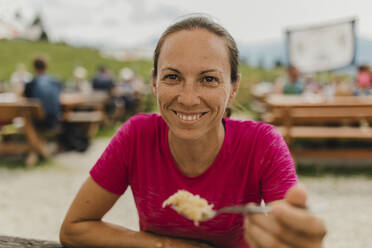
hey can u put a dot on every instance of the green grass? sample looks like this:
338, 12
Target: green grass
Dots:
62, 59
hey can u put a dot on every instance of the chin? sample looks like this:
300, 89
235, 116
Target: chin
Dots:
187, 134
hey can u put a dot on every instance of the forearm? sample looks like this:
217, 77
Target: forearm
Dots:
103, 234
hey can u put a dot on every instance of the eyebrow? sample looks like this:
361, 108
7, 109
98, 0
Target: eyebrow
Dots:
210, 70
202, 72
172, 69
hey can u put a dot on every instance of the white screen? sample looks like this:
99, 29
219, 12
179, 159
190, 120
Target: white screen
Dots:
322, 48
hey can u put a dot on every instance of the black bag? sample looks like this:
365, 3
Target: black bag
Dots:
74, 137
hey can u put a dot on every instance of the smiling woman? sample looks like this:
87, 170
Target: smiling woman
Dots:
190, 146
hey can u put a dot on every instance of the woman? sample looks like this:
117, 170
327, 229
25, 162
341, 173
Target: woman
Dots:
191, 146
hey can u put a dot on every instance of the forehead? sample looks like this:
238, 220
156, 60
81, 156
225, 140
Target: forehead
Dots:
199, 49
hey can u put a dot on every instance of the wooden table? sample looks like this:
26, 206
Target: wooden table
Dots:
29, 111
342, 117
73, 100
319, 110
87, 110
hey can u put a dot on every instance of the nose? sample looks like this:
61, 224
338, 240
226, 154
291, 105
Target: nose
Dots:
189, 95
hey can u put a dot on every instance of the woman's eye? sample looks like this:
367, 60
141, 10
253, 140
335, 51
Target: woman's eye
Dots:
171, 77
209, 79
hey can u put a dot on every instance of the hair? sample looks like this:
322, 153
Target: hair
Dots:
364, 68
40, 64
202, 22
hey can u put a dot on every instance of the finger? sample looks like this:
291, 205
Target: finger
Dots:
297, 196
299, 220
262, 238
281, 232
248, 235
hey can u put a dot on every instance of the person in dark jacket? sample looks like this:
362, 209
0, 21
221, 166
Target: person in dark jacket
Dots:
47, 89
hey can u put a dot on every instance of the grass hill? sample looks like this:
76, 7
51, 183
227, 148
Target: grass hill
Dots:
62, 59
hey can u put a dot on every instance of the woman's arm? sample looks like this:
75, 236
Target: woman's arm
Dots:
83, 225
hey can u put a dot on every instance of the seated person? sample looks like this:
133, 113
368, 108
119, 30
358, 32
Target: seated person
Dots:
80, 80
103, 81
47, 89
131, 88
363, 81
293, 84
19, 78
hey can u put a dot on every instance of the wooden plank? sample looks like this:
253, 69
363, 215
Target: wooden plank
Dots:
83, 116
329, 153
320, 114
319, 132
14, 148
301, 101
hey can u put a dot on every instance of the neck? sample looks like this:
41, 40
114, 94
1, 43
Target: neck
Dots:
193, 157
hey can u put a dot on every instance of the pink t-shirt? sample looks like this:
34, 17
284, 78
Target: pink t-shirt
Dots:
254, 163
364, 79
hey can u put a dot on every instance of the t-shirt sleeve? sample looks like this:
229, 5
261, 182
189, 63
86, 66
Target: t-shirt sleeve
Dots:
278, 172
112, 168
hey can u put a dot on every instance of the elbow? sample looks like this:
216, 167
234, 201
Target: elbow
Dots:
66, 236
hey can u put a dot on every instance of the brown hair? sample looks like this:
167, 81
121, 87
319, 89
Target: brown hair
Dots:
40, 64
202, 22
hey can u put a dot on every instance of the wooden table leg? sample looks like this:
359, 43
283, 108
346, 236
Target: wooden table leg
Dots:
36, 142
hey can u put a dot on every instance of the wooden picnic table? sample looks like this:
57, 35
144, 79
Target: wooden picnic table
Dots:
95, 100
282, 101
87, 110
28, 111
342, 117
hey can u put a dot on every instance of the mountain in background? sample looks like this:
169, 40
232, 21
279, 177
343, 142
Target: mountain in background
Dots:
267, 54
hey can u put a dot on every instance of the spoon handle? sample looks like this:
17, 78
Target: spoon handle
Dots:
245, 209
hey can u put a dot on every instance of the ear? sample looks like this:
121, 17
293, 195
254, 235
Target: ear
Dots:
154, 88
234, 88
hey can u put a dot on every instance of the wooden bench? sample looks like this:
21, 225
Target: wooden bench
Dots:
323, 120
87, 110
34, 145
90, 120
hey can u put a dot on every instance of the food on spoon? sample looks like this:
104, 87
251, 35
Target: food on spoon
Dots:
191, 206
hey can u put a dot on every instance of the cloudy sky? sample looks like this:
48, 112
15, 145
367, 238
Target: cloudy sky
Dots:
132, 22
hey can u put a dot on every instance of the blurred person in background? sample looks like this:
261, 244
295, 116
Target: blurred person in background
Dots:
293, 84
19, 78
81, 83
103, 81
130, 88
363, 81
47, 89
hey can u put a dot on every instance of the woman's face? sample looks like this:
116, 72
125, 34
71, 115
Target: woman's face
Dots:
193, 84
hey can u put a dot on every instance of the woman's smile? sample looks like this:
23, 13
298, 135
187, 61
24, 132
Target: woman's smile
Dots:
191, 117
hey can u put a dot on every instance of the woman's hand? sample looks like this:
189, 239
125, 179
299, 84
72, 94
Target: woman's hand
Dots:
289, 224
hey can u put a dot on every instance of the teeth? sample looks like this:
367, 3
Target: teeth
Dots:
189, 117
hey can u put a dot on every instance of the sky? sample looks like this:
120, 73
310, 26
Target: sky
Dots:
130, 23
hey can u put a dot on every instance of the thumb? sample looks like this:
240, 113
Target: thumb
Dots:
297, 196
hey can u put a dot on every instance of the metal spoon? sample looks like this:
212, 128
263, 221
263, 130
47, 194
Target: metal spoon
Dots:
243, 209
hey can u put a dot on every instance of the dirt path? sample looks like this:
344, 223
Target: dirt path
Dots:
34, 202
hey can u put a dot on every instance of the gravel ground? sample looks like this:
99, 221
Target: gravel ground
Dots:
33, 202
